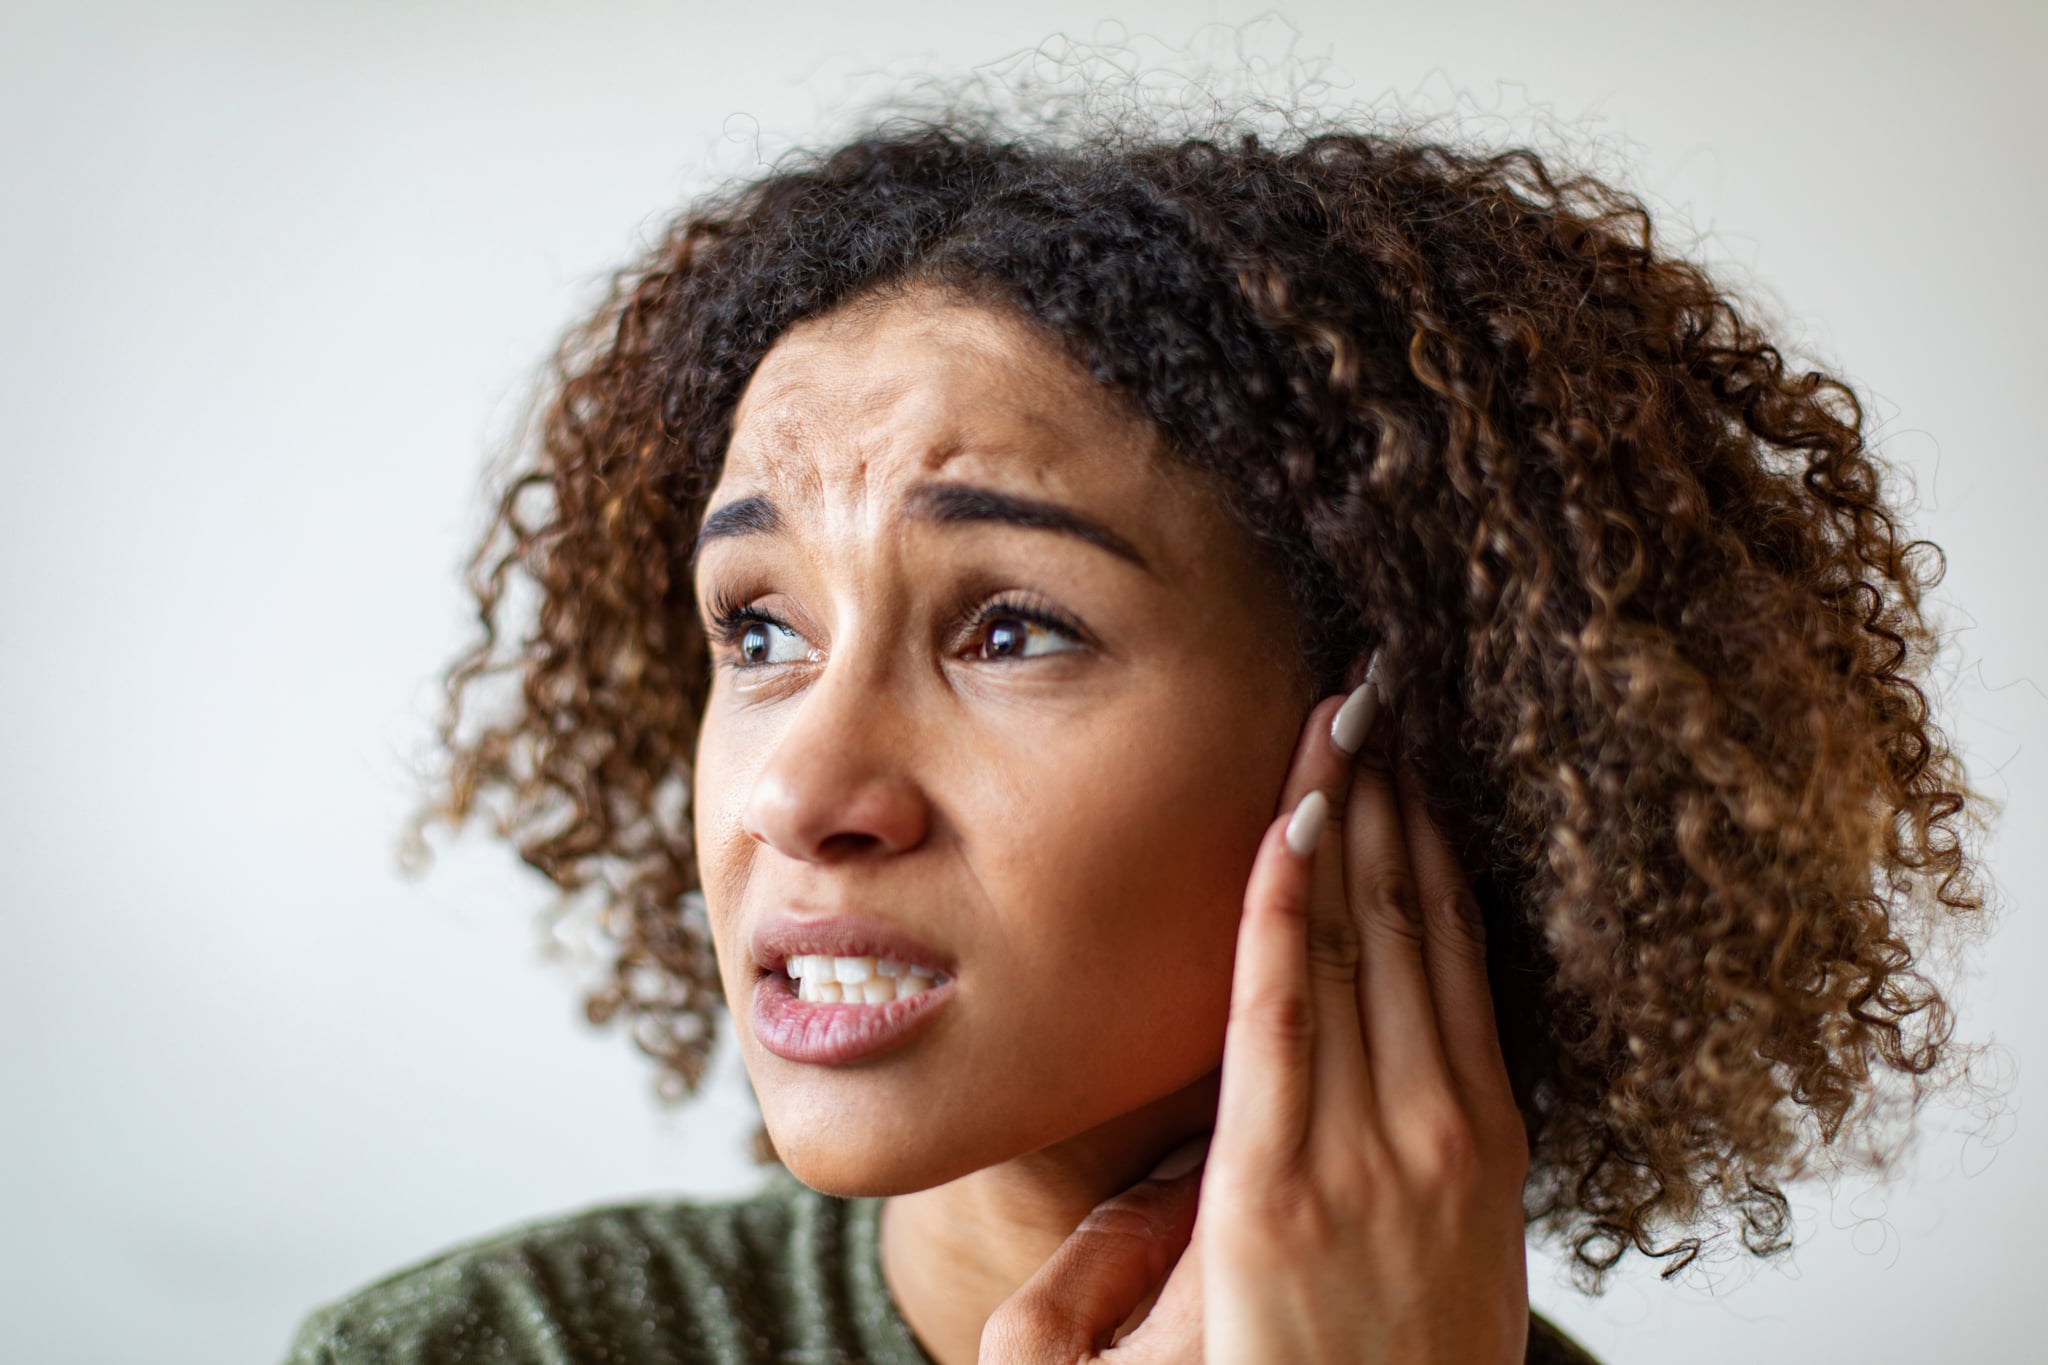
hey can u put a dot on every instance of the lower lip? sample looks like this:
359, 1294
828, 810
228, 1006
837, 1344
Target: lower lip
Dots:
827, 1033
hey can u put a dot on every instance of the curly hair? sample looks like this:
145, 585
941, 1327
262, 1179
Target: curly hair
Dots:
1653, 639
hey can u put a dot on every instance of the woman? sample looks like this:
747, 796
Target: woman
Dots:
1334, 642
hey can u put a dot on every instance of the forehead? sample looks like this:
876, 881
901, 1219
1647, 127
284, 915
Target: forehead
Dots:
845, 406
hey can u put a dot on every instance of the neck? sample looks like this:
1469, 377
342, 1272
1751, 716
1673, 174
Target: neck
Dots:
953, 1253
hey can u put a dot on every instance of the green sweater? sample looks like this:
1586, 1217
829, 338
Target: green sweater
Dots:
788, 1275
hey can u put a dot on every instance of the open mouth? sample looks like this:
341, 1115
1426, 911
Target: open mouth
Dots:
828, 1032
820, 979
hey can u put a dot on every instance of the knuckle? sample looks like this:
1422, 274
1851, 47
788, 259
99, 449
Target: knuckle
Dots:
1458, 912
1287, 1015
1361, 1169
1286, 1206
1120, 1220
1394, 902
1293, 904
1333, 947
1446, 1152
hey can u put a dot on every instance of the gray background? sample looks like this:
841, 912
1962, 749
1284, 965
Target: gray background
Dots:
277, 277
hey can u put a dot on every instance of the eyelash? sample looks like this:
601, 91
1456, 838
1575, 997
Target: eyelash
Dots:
730, 617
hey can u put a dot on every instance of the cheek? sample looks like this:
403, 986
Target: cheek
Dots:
718, 789
1121, 872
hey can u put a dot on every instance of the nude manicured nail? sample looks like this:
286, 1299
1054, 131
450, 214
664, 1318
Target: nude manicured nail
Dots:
1182, 1159
1353, 721
1305, 829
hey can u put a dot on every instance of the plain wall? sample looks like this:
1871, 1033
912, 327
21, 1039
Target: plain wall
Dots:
276, 278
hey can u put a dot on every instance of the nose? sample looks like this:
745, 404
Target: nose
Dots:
839, 783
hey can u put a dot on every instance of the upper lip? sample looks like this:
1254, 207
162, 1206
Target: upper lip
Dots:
783, 934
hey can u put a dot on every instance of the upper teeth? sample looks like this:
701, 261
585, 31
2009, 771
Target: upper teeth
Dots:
853, 969
865, 980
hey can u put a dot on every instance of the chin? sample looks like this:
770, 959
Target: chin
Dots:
865, 1154
832, 1165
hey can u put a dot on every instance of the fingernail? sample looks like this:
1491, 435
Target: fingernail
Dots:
1182, 1159
1305, 828
1353, 721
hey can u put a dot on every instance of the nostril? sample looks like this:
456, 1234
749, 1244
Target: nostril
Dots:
846, 845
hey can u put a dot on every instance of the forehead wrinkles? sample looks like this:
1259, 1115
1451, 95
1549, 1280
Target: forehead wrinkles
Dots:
832, 428
844, 409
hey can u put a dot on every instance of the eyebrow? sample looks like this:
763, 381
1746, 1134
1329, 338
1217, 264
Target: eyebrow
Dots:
940, 503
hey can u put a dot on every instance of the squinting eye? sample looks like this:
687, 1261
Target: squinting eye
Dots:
756, 639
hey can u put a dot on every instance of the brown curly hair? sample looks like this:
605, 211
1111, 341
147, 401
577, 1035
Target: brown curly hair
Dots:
1641, 598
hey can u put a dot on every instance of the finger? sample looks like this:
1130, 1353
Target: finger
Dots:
1454, 954
1075, 1304
1292, 1041
1341, 1082
1403, 1051
1329, 938
1173, 1318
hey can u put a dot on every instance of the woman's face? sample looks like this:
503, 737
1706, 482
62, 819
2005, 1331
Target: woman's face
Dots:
1065, 816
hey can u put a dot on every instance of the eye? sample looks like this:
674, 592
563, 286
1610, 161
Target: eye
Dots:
1009, 629
756, 638
753, 635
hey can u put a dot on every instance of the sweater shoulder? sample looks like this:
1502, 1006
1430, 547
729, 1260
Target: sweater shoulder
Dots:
774, 1275
786, 1274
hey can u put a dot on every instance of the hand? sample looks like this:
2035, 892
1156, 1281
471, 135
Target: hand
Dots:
1362, 1199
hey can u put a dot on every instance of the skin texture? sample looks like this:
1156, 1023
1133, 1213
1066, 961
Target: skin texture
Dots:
1075, 825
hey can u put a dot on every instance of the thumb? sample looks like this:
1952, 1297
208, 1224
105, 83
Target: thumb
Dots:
1072, 1307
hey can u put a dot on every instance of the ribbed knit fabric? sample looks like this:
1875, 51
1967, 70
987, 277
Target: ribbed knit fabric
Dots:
787, 1276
